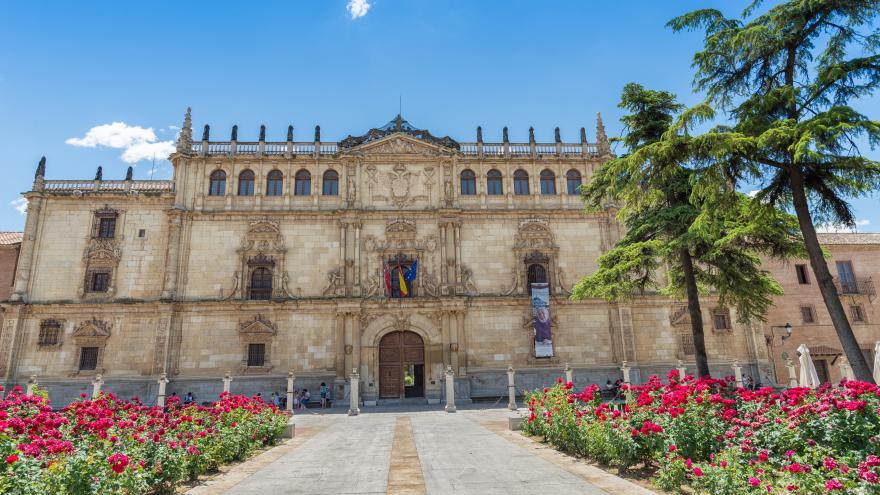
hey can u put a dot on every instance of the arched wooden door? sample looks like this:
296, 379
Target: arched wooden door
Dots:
401, 365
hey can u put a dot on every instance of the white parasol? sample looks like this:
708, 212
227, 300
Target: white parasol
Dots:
877, 362
809, 377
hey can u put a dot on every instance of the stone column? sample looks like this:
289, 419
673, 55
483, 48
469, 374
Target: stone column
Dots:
461, 357
163, 380
792, 373
340, 347
227, 382
682, 371
511, 389
31, 385
450, 390
624, 368
353, 409
569, 374
355, 340
737, 374
453, 342
26, 251
290, 378
457, 267
96, 385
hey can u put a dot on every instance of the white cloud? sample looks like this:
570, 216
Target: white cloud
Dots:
836, 228
754, 193
139, 143
358, 8
20, 204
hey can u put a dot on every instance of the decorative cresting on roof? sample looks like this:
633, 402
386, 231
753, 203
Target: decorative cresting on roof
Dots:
398, 125
257, 325
184, 139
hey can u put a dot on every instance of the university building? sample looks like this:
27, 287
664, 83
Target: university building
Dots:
263, 257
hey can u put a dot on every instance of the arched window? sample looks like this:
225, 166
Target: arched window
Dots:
468, 183
548, 182
275, 183
218, 183
303, 184
261, 284
331, 183
537, 274
573, 180
494, 185
246, 183
521, 182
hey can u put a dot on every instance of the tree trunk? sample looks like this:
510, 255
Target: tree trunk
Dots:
693, 297
826, 282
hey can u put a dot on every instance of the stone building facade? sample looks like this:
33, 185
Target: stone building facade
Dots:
855, 262
262, 257
10, 242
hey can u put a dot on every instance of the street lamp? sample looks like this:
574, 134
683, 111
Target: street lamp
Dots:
787, 329
787, 334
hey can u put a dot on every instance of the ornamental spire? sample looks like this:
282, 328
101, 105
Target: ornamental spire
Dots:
317, 133
262, 133
531, 135
235, 132
601, 137
504, 134
479, 134
557, 136
41, 169
290, 133
184, 139
99, 174
206, 134
583, 136
129, 173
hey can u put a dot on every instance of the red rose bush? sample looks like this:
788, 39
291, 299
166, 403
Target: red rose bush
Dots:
719, 439
107, 445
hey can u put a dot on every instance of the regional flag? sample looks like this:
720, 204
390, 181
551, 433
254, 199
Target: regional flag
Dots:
386, 275
401, 281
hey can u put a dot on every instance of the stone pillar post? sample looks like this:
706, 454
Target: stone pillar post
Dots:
290, 378
26, 251
624, 368
846, 370
450, 390
792, 373
163, 380
569, 374
31, 385
227, 381
170, 288
353, 409
96, 385
737, 374
511, 388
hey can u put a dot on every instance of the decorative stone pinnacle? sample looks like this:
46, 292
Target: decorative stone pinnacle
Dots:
184, 139
99, 174
235, 132
41, 168
504, 134
398, 122
263, 133
479, 134
206, 134
556, 135
531, 135
601, 137
290, 133
129, 173
583, 136
317, 133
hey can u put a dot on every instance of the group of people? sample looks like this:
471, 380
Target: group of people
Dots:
301, 398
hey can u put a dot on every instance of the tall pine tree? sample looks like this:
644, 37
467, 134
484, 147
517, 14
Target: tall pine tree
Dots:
703, 242
787, 78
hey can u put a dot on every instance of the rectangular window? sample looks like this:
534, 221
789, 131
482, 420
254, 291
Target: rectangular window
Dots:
687, 345
821, 369
801, 271
106, 227
722, 319
847, 277
49, 332
256, 354
857, 313
807, 314
142, 233
99, 281
88, 358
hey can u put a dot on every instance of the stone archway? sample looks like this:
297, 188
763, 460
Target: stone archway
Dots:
401, 365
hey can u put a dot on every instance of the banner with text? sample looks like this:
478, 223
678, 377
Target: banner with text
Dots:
541, 320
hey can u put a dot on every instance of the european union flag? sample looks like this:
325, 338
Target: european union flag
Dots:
411, 273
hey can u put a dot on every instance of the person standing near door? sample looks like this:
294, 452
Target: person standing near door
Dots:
323, 395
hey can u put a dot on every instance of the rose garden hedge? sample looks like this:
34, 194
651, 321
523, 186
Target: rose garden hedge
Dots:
111, 446
718, 439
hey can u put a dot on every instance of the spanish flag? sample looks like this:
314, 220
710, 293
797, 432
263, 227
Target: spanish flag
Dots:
403, 290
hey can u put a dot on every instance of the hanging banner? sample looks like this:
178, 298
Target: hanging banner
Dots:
541, 320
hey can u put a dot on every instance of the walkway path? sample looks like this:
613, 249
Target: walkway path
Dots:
412, 452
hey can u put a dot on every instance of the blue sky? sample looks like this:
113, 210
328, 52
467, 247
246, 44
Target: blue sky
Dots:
69, 67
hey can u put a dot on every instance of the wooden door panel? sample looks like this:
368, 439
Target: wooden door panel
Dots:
413, 355
390, 380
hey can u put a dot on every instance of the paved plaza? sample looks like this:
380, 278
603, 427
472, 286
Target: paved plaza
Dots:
413, 451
